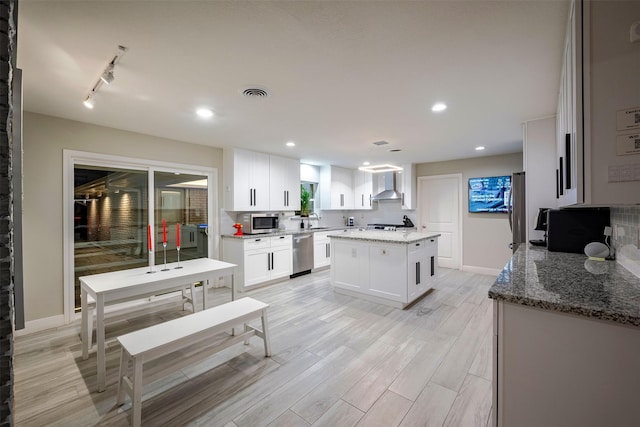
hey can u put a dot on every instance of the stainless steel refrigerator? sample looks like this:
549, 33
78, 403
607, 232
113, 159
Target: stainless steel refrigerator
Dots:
517, 211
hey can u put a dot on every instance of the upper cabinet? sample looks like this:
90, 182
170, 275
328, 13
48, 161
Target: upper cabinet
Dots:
406, 183
284, 184
363, 189
596, 164
336, 188
260, 182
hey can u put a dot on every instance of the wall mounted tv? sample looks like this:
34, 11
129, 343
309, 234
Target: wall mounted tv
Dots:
489, 193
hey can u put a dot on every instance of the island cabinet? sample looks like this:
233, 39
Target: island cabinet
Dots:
384, 267
260, 260
566, 340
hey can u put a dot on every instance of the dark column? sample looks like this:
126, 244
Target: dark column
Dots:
8, 26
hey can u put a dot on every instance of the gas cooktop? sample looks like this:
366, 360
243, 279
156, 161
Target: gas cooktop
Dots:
387, 227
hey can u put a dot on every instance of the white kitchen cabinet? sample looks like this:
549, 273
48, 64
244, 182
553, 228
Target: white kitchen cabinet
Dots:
284, 184
260, 260
246, 180
389, 273
350, 265
422, 267
321, 249
363, 189
597, 52
406, 186
336, 188
386, 272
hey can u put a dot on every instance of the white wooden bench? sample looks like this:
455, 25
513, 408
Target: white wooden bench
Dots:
151, 343
186, 299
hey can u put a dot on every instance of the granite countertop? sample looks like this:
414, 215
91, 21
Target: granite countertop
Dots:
384, 236
569, 283
285, 232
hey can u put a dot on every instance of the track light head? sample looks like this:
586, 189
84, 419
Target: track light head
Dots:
107, 75
89, 101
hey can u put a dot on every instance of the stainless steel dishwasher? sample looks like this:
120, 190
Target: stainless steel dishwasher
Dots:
302, 253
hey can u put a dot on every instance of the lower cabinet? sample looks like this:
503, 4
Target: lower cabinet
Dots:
321, 249
260, 259
390, 273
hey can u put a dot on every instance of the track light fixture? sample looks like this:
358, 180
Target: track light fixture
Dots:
107, 77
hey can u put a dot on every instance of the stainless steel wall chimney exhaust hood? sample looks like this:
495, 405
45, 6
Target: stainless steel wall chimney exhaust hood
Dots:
389, 192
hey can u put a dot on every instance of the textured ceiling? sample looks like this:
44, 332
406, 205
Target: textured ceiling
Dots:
341, 75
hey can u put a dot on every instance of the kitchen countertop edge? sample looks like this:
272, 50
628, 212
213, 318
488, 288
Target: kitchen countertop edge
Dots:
559, 281
283, 233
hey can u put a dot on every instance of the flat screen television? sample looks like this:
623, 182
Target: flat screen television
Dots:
489, 193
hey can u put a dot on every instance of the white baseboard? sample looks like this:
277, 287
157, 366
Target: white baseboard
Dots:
38, 325
481, 270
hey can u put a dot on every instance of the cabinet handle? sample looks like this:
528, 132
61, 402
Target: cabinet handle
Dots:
327, 250
282, 237
417, 273
251, 197
362, 203
557, 185
342, 200
417, 244
255, 199
370, 200
268, 262
272, 260
567, 151
561, 176
402, 199
433, 265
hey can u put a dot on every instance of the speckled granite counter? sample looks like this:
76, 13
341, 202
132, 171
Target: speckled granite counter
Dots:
282, 233
569, 283
384, 236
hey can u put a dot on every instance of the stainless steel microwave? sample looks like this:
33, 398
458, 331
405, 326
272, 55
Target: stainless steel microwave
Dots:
259, 223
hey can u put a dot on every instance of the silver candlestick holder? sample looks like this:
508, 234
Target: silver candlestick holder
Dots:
179, 266
164, 247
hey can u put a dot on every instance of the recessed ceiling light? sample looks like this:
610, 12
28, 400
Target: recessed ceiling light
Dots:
479, 148
366, 163
205, 113
439, 106
290, 144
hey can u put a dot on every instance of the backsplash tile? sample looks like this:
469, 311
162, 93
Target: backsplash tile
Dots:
627, 219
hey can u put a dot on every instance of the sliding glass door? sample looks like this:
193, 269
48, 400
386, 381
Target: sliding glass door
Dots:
109, 221
181, 204
114, 202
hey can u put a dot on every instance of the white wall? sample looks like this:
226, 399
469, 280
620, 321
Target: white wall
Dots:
44, 139
485, 236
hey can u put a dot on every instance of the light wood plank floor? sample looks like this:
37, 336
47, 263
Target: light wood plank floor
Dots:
337, 361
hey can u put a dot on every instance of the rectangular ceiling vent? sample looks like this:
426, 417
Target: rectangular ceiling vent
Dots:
379, 143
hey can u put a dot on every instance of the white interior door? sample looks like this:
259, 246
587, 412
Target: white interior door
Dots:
439, 201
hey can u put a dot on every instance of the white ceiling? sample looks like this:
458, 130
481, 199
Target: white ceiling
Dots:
341, 74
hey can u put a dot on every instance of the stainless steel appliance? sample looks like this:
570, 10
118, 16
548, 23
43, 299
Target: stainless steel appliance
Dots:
302, 254
259, 223
517, 211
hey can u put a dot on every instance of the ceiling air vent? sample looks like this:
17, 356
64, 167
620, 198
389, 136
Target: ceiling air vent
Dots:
255, 92
379, 143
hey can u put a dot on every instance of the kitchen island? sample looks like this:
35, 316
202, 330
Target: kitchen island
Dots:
388, 267
566, 341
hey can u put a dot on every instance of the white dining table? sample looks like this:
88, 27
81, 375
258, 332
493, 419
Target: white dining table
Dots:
125, 285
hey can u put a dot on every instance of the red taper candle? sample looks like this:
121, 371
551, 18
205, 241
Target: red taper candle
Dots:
178, 235
149, 242
164, 231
